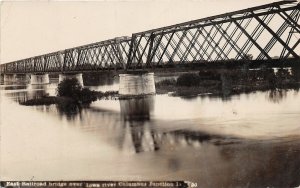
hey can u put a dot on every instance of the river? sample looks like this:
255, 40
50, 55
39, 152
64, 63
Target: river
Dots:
248, 140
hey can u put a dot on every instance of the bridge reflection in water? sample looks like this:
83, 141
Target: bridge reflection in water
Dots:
133, 125
214, 160
23, 93
136, 114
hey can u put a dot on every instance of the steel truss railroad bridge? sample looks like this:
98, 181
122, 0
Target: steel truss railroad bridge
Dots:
264, 32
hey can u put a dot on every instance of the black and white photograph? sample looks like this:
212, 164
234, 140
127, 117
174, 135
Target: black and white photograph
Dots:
150, 93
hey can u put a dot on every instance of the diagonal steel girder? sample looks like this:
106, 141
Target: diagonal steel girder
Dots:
275, 35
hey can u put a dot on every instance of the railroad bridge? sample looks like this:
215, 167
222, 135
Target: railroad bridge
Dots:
261, 33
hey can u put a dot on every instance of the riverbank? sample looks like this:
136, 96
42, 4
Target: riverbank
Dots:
213, 82
227, 82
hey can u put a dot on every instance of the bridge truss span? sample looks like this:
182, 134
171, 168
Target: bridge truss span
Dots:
264, 32
259, 33
106, 55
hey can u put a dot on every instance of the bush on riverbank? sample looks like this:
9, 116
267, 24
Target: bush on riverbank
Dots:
166, 82
71, 88
188, 79
108, 95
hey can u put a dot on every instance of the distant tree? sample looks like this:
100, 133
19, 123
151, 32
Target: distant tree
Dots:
249, 56
296, 72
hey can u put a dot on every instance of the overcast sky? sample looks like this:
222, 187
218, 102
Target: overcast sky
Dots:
35, 28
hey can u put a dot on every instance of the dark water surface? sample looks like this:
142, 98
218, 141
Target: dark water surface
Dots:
248, 140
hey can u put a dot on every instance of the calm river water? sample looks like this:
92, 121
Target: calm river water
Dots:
248, 140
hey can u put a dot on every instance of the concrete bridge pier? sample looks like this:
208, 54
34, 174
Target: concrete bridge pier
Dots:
36, 79
70, 76
136, 83
1, 78
9, 78
23, 78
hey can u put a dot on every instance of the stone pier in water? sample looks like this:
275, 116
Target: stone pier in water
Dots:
136, 83
37, 79
15, 78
